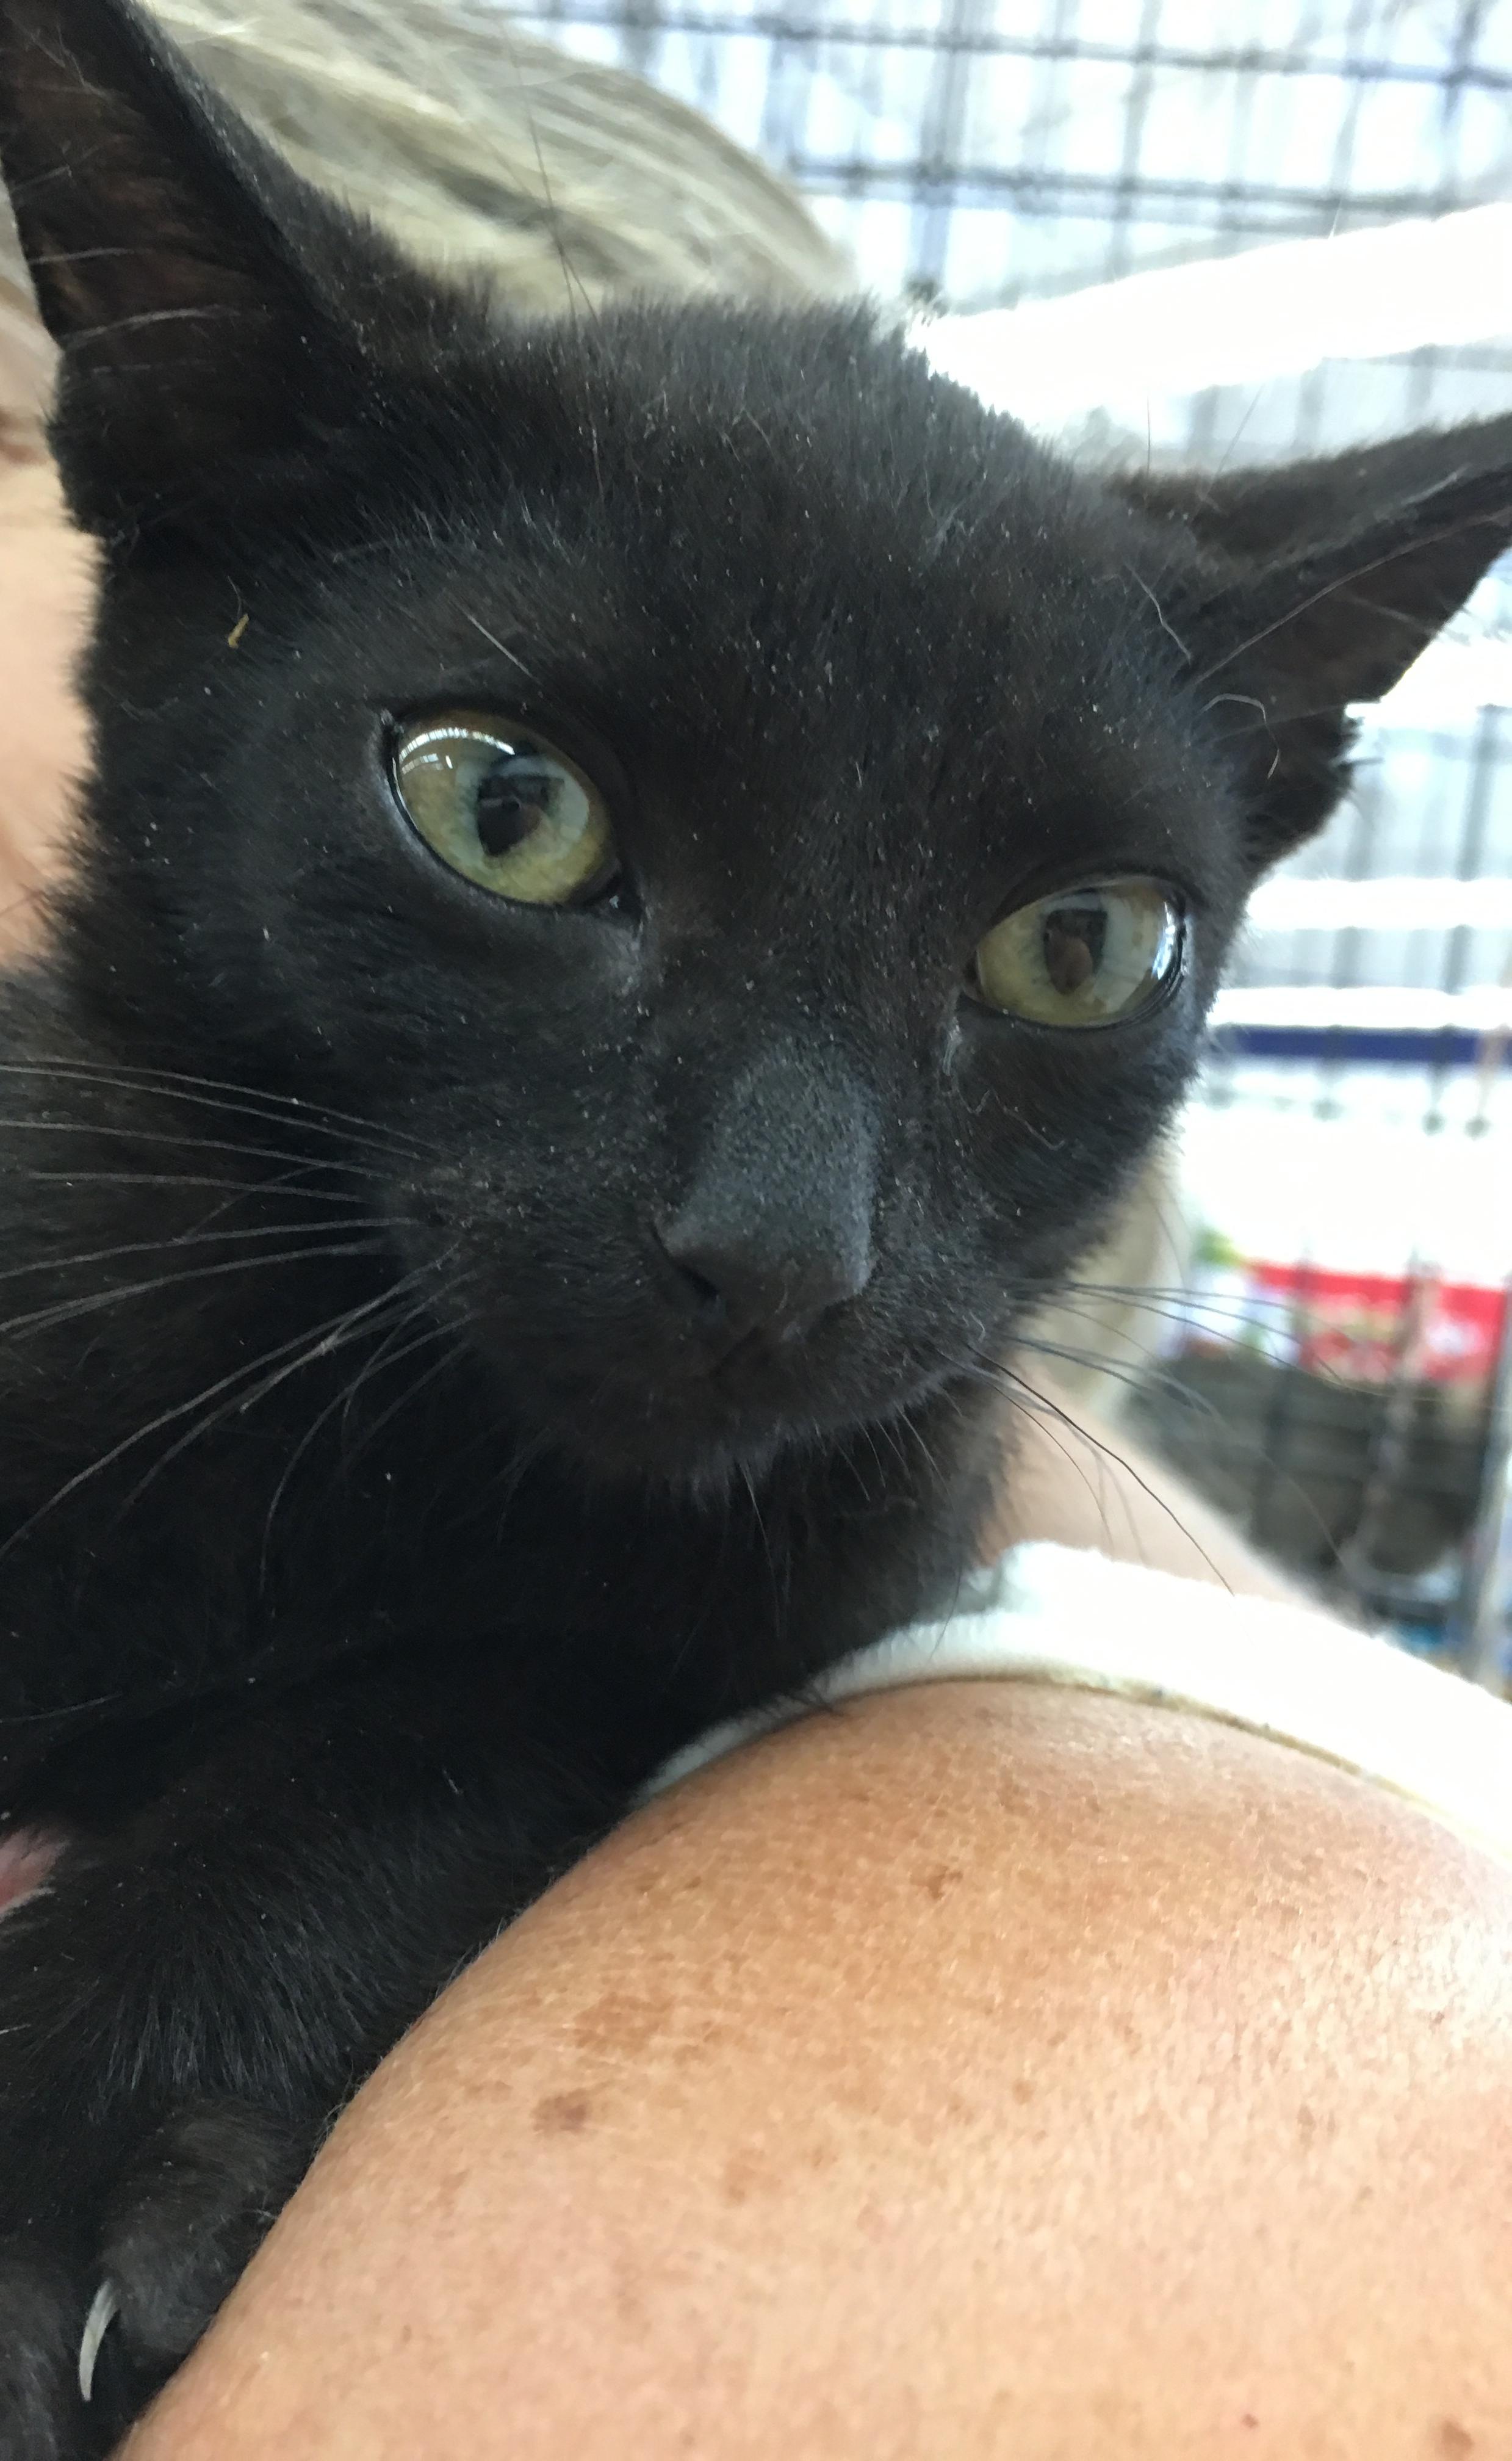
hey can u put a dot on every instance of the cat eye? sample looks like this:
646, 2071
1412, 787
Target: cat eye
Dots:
1089, 955
504, 807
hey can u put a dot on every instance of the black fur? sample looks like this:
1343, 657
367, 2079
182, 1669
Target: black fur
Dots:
375, 1509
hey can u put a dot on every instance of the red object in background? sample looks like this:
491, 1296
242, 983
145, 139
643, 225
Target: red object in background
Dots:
1353, 1325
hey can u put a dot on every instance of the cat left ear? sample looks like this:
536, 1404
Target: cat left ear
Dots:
1316, 586
208, 305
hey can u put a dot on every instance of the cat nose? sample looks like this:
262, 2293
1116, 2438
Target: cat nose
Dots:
736, 1280
773, 1228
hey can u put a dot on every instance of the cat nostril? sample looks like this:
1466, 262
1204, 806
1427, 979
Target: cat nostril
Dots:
736, 1284
707, 1294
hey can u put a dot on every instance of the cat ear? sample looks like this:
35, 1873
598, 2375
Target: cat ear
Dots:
1317, 586
209, 306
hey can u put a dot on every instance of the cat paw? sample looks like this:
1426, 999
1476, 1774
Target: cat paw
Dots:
89, 2336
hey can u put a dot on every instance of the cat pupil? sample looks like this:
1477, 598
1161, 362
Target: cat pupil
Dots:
513, 800
1073, 941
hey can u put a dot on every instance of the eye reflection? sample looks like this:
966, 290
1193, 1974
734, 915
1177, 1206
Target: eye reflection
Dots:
505, 808
1093, 954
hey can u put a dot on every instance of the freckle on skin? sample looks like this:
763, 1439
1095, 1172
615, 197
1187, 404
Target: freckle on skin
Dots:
1023, 2090
701, 2040
619, 2022
562, 2114
745, 2176
938, 1878
1453, 2440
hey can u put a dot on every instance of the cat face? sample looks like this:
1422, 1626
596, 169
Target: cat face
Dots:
732, 1142
758, 833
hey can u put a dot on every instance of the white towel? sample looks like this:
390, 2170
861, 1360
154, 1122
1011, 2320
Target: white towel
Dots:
1056, 1615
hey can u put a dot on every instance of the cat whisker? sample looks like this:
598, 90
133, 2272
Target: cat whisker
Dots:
873, 1447
1086, 1313
303, 1342
1029, 1404
1087, 1302
386, 1356
199, 1239
1172, 1306
450, 1358
387, 1331
1010, 1382
51, 1717
896, 1445
285, 1183
332, 1339
249, 1100
195, 1145
1166, 626
1146, 1377
933, 1466
495, 643
331, 1335
1134, 1380
238, 1187
1341, 587
64, 1311
759, 1518
557, 225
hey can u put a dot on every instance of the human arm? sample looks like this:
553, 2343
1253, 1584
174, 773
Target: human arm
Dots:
984, 2069
45, 587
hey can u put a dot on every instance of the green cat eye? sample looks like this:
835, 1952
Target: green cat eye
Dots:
1088, 955
504, 807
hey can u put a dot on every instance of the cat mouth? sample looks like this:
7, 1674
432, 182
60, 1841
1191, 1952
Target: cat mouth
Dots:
634, 1402
690, 1439
704, 1430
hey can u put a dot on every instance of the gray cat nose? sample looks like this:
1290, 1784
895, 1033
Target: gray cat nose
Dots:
772, 1226
737, 1279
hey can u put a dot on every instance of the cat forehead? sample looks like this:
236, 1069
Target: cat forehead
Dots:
821, 413
728, 482
805, 581
778, 569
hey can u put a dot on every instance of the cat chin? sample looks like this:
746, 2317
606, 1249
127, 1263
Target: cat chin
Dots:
693, 1444
687, 1443
684, 1451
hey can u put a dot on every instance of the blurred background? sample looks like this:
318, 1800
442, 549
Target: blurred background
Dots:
1163, 230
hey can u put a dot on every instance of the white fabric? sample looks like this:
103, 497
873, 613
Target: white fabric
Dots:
1055, 1614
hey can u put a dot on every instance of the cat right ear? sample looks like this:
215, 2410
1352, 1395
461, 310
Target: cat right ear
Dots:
210, 307
1313, 587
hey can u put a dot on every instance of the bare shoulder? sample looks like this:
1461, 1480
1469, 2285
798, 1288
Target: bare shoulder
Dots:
45, 584
981, 2070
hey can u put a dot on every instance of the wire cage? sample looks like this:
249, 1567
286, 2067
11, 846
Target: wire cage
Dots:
1335, 1371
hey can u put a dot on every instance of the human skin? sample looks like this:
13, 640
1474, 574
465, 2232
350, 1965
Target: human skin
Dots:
46, 582
985, 2071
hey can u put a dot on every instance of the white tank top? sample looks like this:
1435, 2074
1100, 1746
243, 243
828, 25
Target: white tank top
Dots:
1055, 1614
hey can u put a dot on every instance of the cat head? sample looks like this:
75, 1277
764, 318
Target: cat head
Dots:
755, 831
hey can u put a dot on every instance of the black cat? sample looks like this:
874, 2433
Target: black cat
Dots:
647, 883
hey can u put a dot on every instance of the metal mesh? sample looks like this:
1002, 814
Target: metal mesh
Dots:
986, 153
1354, 1120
